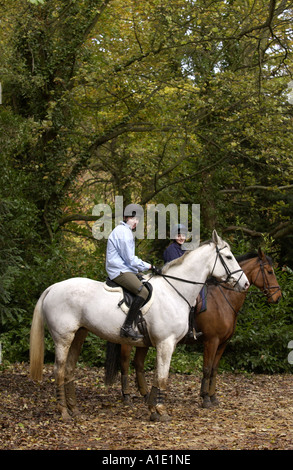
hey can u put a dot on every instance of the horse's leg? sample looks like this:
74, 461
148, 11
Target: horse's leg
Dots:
139, 359
61, 353
72, 358
213, 380
157, 395
210, 349
125, 360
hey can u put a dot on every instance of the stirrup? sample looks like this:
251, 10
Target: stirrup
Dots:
192, 334
128, 331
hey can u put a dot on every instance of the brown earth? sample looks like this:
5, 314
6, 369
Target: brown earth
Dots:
255, 413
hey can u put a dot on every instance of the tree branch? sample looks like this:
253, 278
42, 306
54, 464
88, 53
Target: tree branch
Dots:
252, 233
256, 187
283, 230
266, 24
77, 218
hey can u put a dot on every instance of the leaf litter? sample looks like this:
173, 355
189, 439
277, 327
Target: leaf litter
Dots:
255, 413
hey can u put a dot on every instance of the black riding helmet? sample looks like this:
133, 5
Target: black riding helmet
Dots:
133, 210
178, 228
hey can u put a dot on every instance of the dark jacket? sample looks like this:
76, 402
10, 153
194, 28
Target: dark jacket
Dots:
173, 251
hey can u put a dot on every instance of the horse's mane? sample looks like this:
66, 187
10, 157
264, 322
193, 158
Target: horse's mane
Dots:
251, 255
245, 257
178, 261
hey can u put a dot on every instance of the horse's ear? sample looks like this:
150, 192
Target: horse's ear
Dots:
215, 237
260, 253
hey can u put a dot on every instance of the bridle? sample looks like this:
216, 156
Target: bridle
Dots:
228, 272
266, 285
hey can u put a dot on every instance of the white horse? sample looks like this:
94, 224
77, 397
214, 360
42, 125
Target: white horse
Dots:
75, 306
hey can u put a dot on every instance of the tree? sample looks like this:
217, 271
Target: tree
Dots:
218, 129
155, 101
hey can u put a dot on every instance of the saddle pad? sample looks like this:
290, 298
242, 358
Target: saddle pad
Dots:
203, 296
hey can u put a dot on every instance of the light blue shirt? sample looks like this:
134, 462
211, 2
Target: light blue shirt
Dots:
120, 255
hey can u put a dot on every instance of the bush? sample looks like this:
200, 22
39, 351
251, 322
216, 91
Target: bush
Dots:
263, 332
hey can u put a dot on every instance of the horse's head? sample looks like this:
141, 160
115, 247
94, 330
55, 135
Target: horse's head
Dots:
226, 269
264, 278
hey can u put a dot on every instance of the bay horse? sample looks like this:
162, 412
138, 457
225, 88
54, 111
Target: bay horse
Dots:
75, 306
217, 323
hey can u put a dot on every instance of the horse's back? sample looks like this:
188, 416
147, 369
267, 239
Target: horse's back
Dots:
67, 297
75, 282
81, 302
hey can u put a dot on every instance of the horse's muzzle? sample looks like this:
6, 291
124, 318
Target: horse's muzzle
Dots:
239, 286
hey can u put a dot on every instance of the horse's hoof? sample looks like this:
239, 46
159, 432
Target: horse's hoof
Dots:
207, 403
65, 416
77, 415
155, 416
214, 401
160, 418
127, 399
165, 418
63, 410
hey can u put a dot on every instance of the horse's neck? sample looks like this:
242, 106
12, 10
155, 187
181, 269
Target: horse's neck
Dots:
248, 267
196, 267
196, 263
237, 298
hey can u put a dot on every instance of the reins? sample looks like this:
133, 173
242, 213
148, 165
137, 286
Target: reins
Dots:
192, 307
228, 272
166, 277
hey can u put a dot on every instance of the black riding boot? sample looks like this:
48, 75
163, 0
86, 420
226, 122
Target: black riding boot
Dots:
127, 329
192, 333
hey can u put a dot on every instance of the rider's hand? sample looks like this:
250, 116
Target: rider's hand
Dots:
156, 270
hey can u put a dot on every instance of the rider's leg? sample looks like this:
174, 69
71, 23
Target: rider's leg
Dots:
126, 329
192, 333
131, 282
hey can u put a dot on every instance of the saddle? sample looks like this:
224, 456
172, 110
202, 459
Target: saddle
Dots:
127, 296
126, 301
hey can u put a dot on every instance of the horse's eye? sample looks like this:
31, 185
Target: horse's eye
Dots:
270, 272
229, 257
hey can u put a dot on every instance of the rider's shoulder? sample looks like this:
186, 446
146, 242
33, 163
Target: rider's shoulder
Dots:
121, 228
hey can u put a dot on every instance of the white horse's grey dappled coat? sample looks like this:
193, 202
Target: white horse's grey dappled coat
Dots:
73, 307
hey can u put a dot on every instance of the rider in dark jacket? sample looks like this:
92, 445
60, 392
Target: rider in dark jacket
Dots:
174, 250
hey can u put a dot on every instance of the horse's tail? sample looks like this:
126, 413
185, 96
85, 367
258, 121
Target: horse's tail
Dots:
37, 340
112, 362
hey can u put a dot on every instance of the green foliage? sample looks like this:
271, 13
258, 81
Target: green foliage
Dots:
263, 332
159, 103
185, 360
93, 351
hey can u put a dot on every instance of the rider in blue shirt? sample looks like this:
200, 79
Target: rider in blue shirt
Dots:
121, 251
122, 266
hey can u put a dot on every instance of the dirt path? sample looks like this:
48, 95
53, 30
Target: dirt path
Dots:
256, 413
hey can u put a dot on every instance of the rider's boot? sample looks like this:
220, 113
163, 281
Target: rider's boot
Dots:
192, 334
126, 329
